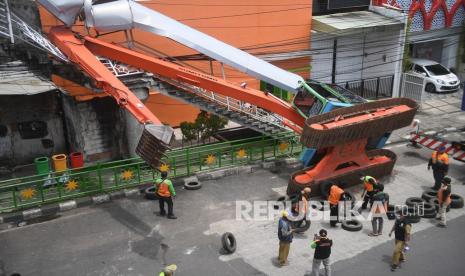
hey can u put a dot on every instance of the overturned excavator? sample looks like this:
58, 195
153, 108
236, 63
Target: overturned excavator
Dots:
343, 133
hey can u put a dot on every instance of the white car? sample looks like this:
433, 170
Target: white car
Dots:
438, 78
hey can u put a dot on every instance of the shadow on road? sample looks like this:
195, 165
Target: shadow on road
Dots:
149, 246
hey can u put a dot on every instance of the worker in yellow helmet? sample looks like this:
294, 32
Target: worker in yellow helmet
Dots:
169, 270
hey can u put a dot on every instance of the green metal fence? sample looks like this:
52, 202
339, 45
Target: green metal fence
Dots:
30, 191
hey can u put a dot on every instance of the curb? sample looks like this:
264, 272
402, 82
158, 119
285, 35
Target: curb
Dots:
22, 217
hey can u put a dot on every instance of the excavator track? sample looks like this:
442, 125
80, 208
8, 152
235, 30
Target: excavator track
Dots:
396, 113
344, 133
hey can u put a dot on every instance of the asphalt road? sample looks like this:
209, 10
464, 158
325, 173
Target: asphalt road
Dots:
434, 251
125, 237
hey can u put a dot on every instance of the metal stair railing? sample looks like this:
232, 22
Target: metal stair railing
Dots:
230, 103
12, 26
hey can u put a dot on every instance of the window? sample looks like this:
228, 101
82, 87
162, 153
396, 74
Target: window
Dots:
419, 69
323, 92
278, 92
307, 103
437, 70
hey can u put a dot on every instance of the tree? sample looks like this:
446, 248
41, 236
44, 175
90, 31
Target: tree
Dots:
208, 124
188, 130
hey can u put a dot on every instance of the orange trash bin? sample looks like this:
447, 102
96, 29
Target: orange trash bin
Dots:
60, 162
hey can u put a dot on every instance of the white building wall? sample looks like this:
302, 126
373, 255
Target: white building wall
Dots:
359, 56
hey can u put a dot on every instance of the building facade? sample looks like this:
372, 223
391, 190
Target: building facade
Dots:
435, 29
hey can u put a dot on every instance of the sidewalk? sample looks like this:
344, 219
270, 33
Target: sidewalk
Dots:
437, 112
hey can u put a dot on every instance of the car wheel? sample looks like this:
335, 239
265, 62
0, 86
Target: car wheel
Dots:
430, 88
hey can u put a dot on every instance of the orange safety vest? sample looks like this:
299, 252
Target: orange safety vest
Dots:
368, 186
335, 195
440, 199
163, 189
439, 158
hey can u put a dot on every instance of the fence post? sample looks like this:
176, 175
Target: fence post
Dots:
99, 173
188, 162
362, 88
392, 85
15, 201
377, 87
263, 147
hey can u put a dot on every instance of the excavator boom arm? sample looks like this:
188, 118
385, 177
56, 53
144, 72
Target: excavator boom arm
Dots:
176, 72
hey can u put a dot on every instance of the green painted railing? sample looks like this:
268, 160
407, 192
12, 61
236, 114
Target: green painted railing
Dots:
31, 191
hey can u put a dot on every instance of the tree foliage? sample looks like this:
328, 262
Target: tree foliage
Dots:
204, 126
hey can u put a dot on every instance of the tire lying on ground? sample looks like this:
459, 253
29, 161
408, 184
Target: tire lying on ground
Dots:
151, 193
193, 185
429, 210
457, 201
229, 242
301, 226
352, 225
429, 194
412, 201
413, 214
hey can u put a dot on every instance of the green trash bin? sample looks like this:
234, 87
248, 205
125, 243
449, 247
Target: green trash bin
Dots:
42, 165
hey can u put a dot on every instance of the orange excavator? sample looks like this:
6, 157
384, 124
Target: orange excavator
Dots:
339, 137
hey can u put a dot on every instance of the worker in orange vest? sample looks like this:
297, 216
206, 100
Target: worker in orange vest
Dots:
440, 163
369, 183
335, 195
165, 192
444, 200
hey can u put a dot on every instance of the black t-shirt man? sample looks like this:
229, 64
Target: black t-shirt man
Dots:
322, 248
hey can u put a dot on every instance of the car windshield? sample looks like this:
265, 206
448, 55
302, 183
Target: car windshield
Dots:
437, 70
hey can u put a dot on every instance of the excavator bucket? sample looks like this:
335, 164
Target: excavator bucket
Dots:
343, 135
153, 144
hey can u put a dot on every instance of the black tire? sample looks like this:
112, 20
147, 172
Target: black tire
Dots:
301, 226
193, 185
391, 212
412, 201
352, 225
430, 88
431, 215
229, 242
413, 214
428, 208
429, 195
457, 201
151, 193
